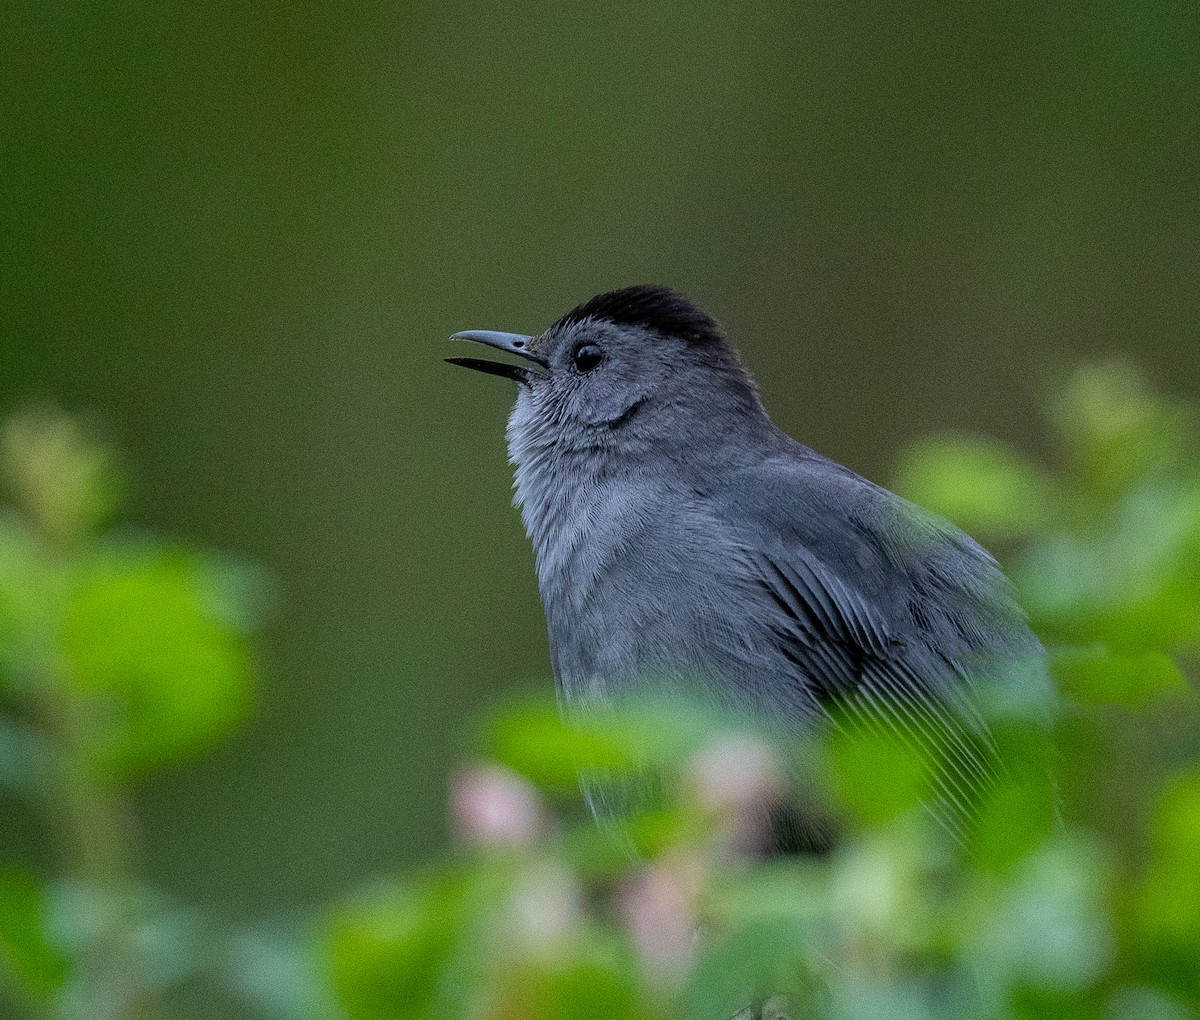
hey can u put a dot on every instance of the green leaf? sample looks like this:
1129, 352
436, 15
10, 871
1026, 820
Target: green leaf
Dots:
389, 951
1146, 1004
24, 758
1047, 926
167, 939
583, 986
551, 752
876, 776
65, 484
19, 593
1012, 820
1117, 431
26, 952
761, 956
1130, 579
979, 485
167, 672
274, 969
1097, 676
1168, 907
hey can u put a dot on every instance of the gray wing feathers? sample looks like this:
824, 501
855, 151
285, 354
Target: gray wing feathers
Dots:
900, 653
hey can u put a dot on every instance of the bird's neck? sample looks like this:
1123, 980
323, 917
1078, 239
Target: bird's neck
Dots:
560, 490
585, 505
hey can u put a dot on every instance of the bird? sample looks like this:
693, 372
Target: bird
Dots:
684, 541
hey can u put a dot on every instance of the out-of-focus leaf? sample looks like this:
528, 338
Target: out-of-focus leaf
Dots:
235, 591
23, 758
1020, 807
1162, 619
882, 887
1012, 820
19, 593
1134, 585
1047, 926
550, 751
653, 831
389, 952
166, 938
647, 737
756, 958
901, 997
1054, 1003
26, 951
1150, 624
1100, 677
166, 673
876, 776
274, 969
1169, 906
496, 937
65, 484
1146, 1004
1156, 526
980, 485
796, 890
1116, 431
1066, 576
9, 553
586, 985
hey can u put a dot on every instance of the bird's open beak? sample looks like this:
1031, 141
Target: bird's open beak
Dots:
511, 343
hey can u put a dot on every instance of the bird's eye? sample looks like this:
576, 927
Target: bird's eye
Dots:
587, 357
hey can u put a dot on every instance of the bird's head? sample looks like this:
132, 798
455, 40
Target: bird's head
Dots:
639, 367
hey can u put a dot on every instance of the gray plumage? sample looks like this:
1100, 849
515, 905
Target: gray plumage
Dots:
681, 537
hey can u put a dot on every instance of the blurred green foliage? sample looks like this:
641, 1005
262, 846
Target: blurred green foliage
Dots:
121, 656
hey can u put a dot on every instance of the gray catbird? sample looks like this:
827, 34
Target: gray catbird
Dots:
681, 537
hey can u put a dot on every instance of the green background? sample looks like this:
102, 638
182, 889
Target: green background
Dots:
236, 236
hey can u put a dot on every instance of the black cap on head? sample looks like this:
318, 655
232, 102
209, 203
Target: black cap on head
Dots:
652, 306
